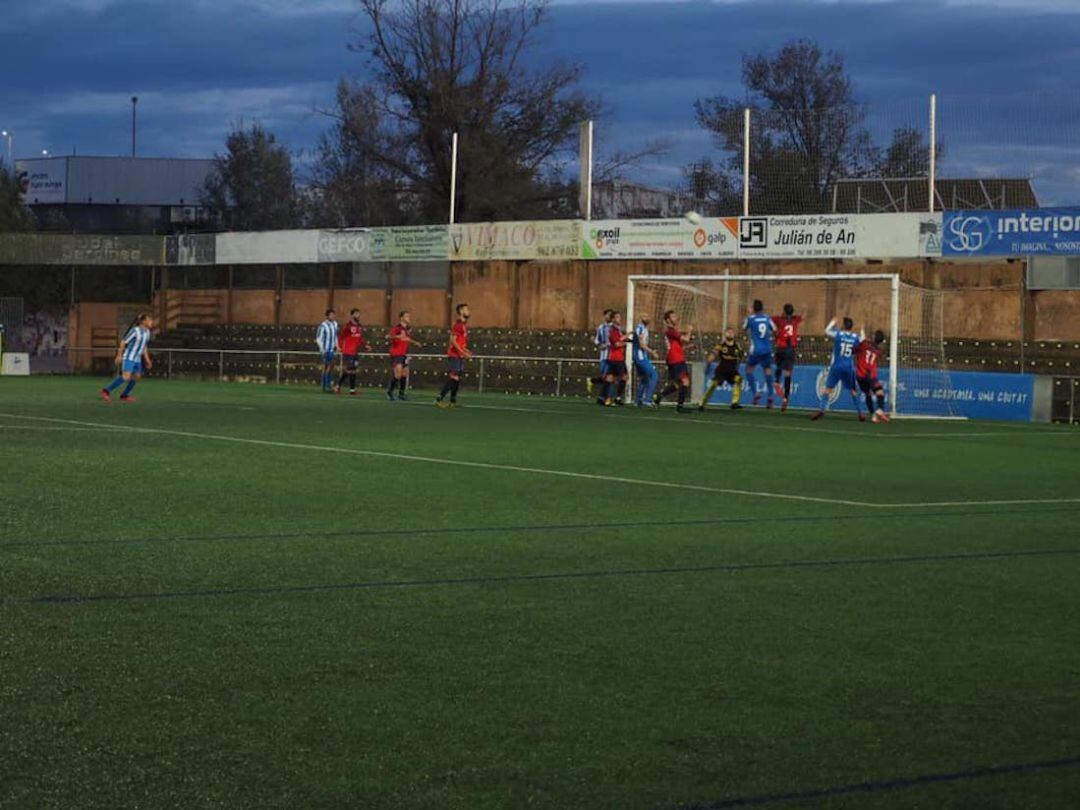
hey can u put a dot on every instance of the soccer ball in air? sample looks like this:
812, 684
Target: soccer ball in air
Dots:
693, 216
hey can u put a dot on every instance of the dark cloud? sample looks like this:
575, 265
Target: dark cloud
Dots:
1004, 75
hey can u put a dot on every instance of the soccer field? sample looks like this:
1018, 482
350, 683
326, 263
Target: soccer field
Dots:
231, 595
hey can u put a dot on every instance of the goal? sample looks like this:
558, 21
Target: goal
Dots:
913, 365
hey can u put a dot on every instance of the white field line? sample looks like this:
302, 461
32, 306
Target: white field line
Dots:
691, 419
66, 429
448, 461
534, 470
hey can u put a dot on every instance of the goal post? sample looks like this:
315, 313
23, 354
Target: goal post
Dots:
913, 362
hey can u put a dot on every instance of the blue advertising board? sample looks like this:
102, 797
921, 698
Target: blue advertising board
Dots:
925, 392
1027, 232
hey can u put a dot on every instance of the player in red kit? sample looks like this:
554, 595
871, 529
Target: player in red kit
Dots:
456, 355
400, 340
787, 338
678, 372
615, 374
867, 359
350, 343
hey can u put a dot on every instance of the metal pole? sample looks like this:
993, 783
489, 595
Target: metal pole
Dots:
588, 169
933, 149
632, 318
894, 343
134, 104
168, 372
277, 367
746, 164
221, 365
453, 176
480, 387
727, 284
558, 379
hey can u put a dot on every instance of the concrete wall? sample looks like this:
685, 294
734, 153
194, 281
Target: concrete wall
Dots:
978, 300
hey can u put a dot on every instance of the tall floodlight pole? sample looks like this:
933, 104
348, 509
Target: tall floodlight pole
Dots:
453, 176
134, 104
746, 164
933, 149
585, 155
10, 137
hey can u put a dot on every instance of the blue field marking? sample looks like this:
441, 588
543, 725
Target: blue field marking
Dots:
269, 590
848, 517
882, 786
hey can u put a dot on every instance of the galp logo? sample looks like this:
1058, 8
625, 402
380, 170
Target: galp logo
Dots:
968, 234
700, 238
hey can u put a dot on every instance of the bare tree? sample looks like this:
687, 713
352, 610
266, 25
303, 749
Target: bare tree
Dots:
444, 66
350, 186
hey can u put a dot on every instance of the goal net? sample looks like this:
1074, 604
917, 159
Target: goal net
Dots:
913, 367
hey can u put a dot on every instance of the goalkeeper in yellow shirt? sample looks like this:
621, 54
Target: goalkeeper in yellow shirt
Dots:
727, 355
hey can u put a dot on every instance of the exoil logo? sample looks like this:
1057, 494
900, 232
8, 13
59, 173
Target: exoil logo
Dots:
602, 237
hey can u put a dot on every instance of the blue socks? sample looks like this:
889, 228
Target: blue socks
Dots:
127, 389
114, 384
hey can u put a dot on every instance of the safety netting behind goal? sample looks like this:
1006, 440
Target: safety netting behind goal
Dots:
710, 304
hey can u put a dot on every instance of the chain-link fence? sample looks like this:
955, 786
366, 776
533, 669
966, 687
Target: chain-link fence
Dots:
985, 151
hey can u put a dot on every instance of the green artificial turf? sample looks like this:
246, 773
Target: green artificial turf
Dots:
232, 595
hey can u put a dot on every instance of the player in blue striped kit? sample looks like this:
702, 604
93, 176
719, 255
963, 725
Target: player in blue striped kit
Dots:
643, 357
326, 339
842, 370
761, 330
133, 357
601, 341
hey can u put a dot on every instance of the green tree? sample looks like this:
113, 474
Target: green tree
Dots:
807, 129
906, 156
14, 215
252, 186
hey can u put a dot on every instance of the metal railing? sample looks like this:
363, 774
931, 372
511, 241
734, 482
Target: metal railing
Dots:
487, 372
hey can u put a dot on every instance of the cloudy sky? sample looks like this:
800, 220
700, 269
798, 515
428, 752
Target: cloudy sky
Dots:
1005, 72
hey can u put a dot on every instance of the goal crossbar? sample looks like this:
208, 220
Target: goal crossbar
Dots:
894, 307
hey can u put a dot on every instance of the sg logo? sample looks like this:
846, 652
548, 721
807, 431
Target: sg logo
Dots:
968, 234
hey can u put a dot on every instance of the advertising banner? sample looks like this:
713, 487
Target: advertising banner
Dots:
268, 247
840, 236
43, 182
32, 248
703, 238
191, 249
418, 243
899, 236
975, 395
1029, 232
487, 241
